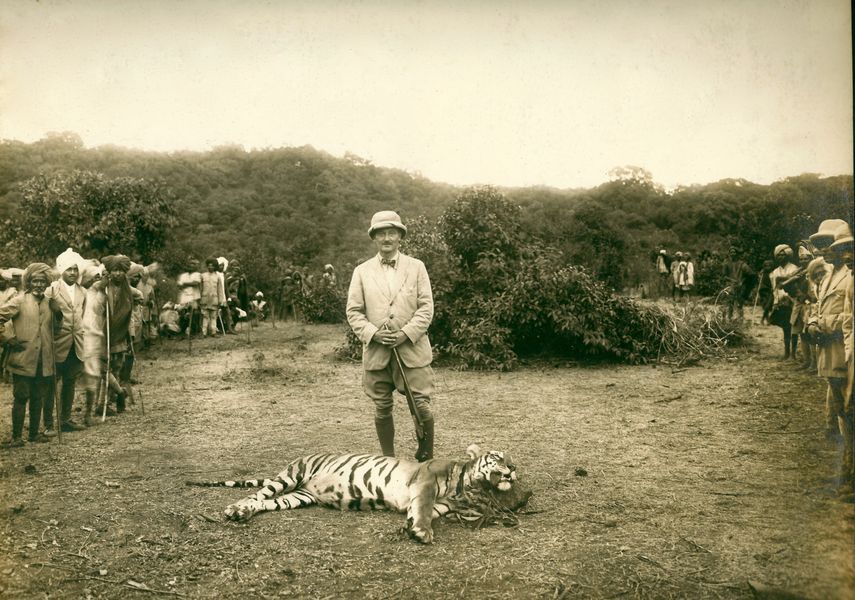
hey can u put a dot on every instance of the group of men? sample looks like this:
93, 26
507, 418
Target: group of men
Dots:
812, 303
78, 319
676, 274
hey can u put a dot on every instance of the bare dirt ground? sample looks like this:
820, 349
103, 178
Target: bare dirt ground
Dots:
698, 481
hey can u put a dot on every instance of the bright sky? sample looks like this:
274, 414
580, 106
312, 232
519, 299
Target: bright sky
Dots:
508, 93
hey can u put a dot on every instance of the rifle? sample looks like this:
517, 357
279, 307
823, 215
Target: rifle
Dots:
411, 401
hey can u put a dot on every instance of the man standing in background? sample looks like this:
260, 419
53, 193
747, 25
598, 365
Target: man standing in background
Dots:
69, 298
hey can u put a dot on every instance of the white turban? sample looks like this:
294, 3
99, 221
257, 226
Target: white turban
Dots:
805, 252
69, 259
91, 269
783, 249
223, 261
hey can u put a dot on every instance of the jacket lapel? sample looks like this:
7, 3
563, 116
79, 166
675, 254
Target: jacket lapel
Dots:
379, 277
832, 281
403, 274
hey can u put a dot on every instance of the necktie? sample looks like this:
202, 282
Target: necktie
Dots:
388, 261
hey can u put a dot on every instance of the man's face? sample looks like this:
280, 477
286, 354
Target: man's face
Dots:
211, 267
71, 275
840, 257
194, 266
135, 279
117, 276
387, 240
38, 285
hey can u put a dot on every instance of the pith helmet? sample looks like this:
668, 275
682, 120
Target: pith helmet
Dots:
842, 237
384, 219
825, 234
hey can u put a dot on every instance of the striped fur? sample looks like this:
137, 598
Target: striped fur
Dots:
363, 481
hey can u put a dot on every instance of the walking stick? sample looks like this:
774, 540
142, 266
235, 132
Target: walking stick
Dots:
107, 376
56, 403
411, 401
190, 332
273, 313
754, 308
220, 321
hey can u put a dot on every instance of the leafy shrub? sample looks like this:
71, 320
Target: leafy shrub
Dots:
323, 304
500, 295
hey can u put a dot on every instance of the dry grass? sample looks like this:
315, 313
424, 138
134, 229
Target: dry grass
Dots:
651, 482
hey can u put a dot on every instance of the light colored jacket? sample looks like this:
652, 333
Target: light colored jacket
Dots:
71, 331
213, 291
371, 305
847, 320
829, 319
33, 321
94, 330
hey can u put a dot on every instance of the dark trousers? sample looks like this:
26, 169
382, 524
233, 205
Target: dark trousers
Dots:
67, 372
38, 391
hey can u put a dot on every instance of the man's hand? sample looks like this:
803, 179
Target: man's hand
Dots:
392, 339
15, 345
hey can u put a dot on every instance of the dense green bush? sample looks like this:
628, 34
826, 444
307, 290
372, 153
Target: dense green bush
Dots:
323, 304
500, 294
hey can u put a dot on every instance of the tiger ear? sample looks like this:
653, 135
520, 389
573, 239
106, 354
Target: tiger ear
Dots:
473, 451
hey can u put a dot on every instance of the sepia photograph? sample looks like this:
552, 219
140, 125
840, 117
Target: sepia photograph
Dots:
382, 300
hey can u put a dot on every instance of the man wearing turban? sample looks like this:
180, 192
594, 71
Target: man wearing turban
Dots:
69, 299
782, 302
107, 315
31, 352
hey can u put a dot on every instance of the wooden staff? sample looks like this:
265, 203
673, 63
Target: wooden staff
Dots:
107, 376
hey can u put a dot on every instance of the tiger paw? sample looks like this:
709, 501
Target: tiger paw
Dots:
424, 536
239, 512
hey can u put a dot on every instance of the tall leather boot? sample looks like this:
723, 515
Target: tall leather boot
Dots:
386, 435
19, 412
87, 411
425, 451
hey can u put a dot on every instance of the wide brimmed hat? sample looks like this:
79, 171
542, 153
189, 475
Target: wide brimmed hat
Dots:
825, 234
385, 219
842, 237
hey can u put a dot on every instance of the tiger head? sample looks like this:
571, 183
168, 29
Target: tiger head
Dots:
492, 467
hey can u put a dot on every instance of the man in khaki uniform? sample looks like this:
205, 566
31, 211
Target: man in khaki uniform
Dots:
826, 325
390, 305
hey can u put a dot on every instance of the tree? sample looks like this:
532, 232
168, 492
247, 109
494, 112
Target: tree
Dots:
91, 213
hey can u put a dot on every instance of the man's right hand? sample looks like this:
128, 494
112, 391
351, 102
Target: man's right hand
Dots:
385, 337
14, 344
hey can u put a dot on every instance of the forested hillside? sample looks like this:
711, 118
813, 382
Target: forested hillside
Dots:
277, 207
